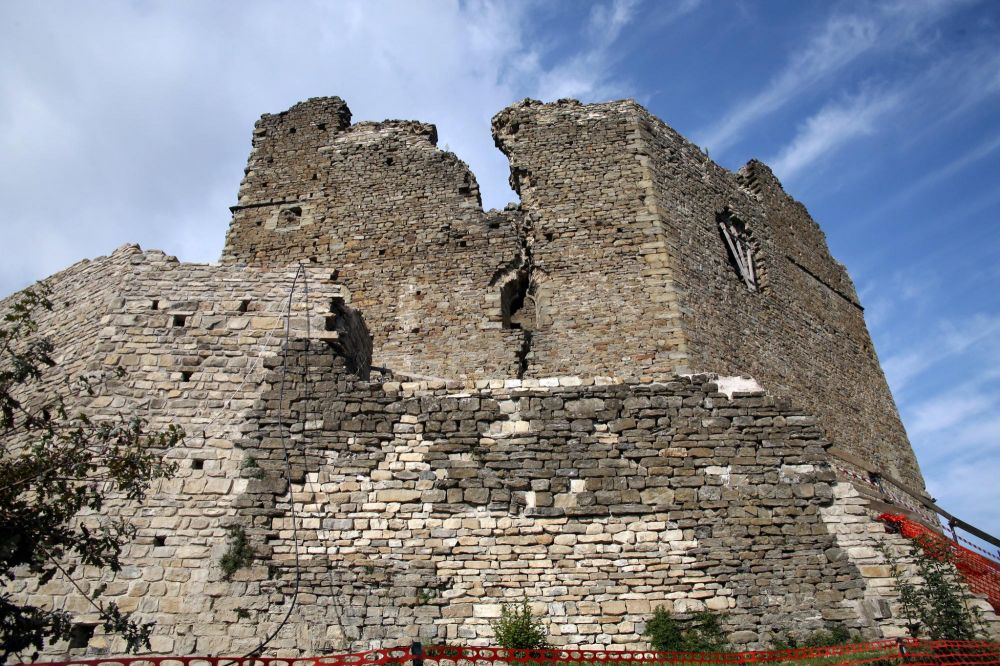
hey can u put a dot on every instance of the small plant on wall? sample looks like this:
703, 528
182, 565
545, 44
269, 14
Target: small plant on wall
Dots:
517, 628
238, 555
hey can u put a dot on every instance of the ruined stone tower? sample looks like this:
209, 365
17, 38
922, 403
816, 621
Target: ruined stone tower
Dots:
647, 384
615, 258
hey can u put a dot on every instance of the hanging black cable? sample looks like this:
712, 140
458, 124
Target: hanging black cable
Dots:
283, 437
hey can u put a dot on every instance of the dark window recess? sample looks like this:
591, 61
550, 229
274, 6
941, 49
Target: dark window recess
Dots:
517, 306
159, 541
186, 375
321, 126
155, 305
80, 635
197, 464
740, 248
244, 304
388, 161
291, 130
330, 322
334, 275
416, 329
179, 320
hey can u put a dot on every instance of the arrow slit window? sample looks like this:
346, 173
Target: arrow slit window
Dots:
740, 247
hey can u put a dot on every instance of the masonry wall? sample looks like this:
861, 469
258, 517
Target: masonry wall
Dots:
398, 222
641, 282
563, 460
379, 512
602, 291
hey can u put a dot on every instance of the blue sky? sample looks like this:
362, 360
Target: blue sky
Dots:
130, 122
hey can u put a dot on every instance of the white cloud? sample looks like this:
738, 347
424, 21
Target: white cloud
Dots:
944, 411
130, 122
841, 41
944, 342
834, 125
975, 502
975, 153
585, 74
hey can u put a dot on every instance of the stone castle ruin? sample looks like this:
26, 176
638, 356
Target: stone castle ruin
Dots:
648, 384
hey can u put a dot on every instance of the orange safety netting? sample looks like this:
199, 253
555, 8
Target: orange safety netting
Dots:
981, 574
883, 653
908, 651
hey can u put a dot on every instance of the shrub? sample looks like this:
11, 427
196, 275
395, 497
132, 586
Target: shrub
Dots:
700, 633
517, 628
834, 634
934, 602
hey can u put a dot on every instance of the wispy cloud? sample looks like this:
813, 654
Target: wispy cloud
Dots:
936, 346
586, 73
944, 411
978, 151
834, 125
842, 40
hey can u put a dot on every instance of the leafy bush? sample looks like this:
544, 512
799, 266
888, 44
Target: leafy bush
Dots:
54, 466
517, 628
700, 633
834, 634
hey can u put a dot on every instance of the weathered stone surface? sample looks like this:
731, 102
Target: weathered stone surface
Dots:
540, 439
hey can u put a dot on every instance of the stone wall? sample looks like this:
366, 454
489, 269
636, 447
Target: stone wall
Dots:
602, 291
397, 221
555, 453
636, 279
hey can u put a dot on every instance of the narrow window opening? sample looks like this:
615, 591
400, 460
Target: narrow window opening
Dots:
415, 329
740, 248
461, 243
330, 322
155, 305
244, 304
388, 161
159, 541
517, 307
179, 320
291, 130
334, 275
186, 375
80, 635
321, 126
197, 464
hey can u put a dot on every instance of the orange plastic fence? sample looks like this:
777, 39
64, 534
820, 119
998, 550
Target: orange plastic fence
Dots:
980, 573
884, 653
904, 651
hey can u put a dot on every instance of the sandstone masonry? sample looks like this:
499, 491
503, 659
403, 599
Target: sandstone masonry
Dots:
549, 402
